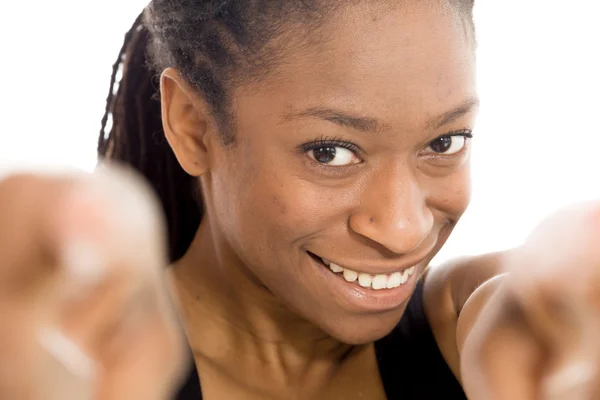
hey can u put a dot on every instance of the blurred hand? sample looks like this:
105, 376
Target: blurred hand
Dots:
539, 336
84, 309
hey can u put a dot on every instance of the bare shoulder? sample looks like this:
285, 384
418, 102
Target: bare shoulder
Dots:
456, 280
448, 288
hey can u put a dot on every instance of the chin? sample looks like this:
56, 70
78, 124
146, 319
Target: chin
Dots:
364, 329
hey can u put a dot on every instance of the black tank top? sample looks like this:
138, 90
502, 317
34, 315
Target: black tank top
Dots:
410, 363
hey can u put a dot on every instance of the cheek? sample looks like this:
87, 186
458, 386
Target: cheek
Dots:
281, 208
263, 208
452, 194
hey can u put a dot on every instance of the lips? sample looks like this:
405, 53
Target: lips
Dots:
359, 292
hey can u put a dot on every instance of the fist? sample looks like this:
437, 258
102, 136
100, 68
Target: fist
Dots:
84, 308
539, 335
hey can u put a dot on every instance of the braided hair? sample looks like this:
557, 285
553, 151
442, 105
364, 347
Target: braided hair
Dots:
214, 44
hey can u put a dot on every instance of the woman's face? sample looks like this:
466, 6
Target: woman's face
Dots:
354, 151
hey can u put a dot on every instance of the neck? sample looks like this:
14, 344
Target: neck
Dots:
225, 308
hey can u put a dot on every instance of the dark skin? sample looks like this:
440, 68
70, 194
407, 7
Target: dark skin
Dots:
263, 318
391, 207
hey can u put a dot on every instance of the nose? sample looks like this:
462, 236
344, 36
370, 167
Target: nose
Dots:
393, 212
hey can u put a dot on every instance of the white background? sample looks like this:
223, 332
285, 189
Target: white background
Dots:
537, 140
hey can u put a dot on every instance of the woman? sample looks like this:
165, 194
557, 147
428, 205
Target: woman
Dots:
316, 159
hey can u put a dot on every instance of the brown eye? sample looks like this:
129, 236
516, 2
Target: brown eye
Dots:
448, 145
324, 155
334, 156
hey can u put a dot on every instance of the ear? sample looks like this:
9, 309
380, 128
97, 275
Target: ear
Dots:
187, 122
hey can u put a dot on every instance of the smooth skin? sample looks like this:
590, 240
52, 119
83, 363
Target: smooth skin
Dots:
386, 85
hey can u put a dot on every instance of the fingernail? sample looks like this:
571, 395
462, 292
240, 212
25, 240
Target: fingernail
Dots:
68, 353
83, 263
82, 232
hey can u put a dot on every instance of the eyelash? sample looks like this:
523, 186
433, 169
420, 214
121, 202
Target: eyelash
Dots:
325, 141
463, 132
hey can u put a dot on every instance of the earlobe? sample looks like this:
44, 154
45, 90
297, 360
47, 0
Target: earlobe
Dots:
187, 122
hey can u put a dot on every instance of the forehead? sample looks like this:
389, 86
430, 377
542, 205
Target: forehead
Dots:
394, 63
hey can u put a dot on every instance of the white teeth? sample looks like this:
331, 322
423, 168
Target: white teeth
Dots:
395, 280
350, 276
335, 268
365, 280
380, 282
404, 277
377, 282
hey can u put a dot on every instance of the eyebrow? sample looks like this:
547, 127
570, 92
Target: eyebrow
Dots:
338, 117
455, 114
372, 125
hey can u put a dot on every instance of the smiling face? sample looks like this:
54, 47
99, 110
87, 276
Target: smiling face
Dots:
353, 152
